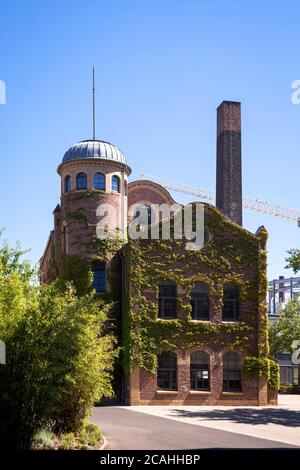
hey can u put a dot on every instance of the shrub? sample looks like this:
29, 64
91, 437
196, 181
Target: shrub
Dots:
274, 378
90, 434
288, 388
58, 365
67, 441
44, 438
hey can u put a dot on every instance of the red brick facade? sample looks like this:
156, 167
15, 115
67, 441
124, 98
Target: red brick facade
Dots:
141, 388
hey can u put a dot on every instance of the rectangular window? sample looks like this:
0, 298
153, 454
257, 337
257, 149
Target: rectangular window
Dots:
200, 306
199, 377
166, 379
167, 302
232, 380
231, 303
283, 356
99, 276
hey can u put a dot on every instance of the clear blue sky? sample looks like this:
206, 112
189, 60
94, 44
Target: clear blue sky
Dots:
162, 69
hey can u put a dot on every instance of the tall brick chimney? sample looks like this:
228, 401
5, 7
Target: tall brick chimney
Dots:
229, 164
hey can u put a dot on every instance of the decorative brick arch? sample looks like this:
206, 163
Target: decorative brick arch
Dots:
145, 191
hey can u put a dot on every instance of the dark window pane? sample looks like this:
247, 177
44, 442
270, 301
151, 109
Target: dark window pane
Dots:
167, 301
283, 357
99, 277
231, 303
167, 371
232, 372
99, 181
200, 301
68, 184
199, 372
144, 213
115, 184
81, 181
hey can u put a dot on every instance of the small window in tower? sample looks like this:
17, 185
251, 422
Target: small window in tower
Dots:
99, 276
115, 184
67, 184
81, 181
99, 181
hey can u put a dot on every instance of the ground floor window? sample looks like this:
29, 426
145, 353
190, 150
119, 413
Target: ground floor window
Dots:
232, 372
99, 276
167, 371
289, 374
199, 374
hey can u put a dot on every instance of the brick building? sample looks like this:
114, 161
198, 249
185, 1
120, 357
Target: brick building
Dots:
192, 323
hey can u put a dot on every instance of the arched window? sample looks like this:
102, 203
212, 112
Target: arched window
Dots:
67, 184
232, 367
99, 181
231, 303
81, 181
125, 188
200, 301
167, 371
99, 276
115, 184
199, 370
167, 300
144, 213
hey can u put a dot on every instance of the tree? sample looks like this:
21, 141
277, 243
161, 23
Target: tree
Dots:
58, 364
293, 260
284, 332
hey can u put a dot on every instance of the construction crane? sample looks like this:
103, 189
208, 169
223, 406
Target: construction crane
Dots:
250, 203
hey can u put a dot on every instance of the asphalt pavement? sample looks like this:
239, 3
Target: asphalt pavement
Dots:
131, 430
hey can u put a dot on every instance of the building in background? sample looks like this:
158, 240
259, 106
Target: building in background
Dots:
281, 291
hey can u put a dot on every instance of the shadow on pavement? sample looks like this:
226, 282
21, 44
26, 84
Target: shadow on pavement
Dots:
284, 417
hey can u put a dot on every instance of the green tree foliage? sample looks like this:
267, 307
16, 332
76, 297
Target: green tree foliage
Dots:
286, 330
293, 260
57, 364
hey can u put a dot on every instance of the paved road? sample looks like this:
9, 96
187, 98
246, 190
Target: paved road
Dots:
132, 430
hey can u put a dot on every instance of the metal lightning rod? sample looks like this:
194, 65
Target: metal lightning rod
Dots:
94, 107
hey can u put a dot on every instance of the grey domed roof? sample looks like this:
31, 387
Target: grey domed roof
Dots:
94, 149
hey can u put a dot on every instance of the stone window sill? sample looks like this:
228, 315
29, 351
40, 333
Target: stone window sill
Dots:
231, 321
198, 320
167, 318
200, 392
239, 394
167, 392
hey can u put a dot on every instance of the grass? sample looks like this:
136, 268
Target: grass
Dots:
88, 438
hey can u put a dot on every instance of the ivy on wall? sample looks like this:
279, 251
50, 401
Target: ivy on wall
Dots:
78, 270
232, 255
262, 366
